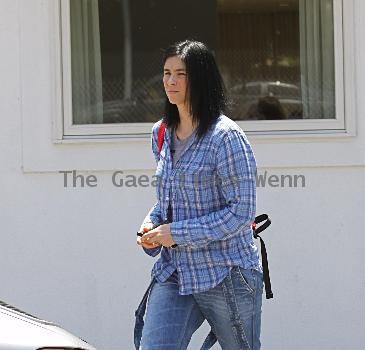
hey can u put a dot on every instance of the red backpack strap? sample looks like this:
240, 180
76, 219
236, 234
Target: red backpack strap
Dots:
160, 136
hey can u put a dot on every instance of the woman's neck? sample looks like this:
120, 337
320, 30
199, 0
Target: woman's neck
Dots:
185, 127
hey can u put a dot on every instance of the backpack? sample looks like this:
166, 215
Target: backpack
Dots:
256, 229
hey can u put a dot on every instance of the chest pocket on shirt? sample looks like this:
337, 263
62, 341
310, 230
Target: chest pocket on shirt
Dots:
197, 178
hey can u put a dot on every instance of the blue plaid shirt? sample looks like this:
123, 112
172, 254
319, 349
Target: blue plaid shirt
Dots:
212, 190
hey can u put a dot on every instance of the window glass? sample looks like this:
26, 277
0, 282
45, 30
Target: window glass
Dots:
276, 56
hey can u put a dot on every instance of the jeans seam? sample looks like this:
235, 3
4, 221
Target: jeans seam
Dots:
238, 329
250, 289
254, 315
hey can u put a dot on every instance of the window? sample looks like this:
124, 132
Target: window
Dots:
280, 59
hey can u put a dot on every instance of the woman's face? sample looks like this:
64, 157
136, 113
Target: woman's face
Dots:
175, 80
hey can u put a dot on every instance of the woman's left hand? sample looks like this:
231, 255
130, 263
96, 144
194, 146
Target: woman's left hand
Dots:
161, 235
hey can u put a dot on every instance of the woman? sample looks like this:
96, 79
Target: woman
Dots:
209, 266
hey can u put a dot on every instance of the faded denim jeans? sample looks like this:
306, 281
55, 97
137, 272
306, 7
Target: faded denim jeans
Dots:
232, 308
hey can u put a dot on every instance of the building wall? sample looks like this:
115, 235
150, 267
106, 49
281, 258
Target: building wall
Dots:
69, 254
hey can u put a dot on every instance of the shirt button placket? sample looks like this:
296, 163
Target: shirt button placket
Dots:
171, 190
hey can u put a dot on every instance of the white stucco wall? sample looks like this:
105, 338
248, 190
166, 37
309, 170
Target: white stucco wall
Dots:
69, 255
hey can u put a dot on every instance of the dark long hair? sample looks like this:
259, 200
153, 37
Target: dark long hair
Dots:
205, 87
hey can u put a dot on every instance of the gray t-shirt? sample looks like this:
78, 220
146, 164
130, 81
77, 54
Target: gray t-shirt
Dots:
178, 146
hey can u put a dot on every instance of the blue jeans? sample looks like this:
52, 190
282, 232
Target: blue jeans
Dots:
232, 308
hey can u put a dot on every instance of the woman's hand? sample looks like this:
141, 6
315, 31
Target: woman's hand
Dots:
148, 245
161, 235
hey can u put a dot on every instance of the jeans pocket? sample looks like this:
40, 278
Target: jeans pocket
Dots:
248, 279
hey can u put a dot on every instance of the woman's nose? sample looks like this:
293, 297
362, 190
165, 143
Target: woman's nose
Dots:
171, 80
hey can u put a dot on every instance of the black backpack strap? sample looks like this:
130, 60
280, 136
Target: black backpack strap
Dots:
209, 341
264, 226
139, 313
265, 263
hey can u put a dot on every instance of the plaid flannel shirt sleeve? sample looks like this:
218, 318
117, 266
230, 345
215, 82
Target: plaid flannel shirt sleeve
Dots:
154, 214
236, 171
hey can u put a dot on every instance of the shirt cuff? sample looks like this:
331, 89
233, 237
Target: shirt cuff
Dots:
152, 251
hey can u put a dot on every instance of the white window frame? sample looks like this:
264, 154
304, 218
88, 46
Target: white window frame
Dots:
342, 125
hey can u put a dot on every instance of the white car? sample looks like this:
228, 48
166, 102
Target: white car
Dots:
21, 331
